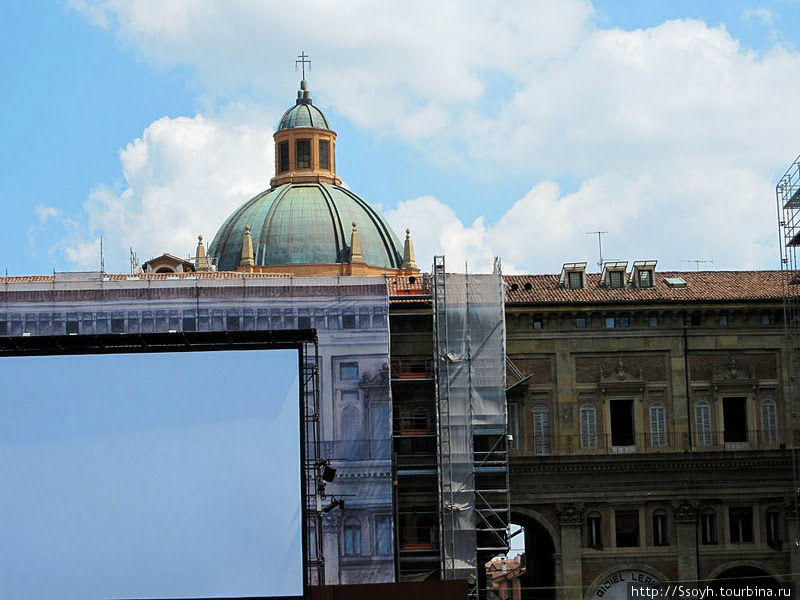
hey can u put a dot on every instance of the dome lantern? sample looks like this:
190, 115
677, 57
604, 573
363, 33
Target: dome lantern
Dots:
305, 145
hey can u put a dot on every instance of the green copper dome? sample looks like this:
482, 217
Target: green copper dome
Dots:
305, 223
303, 113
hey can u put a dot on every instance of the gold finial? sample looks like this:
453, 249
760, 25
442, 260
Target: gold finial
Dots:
248, 258
200, 258
355, 246
409, 259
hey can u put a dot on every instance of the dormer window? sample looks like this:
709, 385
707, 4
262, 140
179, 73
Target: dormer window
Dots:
572, 276
614, 274
643, 275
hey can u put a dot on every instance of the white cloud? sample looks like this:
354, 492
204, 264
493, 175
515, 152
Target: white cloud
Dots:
763, 15
646, 218
45, 213
181, 178
673, 134
407, 69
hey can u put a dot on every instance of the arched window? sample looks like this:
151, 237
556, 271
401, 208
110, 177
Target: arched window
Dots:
658, 425
594, 530
708, 526
769, 421
702, 421
541, 430
352, 536
588, 427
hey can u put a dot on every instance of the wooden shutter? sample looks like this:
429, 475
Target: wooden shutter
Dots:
702, 413
541, 430
658, 426
769, 421
588, 427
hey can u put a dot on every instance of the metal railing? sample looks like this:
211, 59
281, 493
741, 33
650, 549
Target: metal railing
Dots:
412, 368
415, 451
349, 450
570, 444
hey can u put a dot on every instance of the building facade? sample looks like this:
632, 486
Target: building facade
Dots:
652, 429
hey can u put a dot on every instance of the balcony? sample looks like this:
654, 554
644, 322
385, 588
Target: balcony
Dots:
352, 450
573, 444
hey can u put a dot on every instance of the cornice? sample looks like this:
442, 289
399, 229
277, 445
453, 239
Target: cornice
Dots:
661, 462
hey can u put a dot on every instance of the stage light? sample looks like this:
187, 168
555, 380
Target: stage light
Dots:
334, 503
328, 473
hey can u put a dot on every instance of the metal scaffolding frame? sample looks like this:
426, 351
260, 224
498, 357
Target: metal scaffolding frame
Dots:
472, 420
787, 194
312, 462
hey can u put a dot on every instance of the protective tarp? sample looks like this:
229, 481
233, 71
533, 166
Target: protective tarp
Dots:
350, 315
470, 344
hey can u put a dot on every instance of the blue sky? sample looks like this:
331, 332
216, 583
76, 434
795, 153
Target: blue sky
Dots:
510, 130
164, 488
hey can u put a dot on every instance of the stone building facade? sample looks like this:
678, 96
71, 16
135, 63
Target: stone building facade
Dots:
651, 430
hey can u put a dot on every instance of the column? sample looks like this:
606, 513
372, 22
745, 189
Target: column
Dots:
791, 542
686, 540
331, 523
570, 518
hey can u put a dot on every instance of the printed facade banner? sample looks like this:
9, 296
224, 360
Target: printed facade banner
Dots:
351, 318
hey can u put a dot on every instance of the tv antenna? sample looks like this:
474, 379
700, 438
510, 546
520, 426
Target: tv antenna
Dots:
599, 235
698, 261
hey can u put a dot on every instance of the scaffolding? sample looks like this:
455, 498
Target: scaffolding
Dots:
312, 462
787, 194
469, 347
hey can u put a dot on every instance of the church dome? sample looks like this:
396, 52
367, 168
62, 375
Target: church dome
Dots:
303, 113
306, 224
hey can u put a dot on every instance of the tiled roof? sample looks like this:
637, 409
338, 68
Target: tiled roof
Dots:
94, 276
702, 286
708, 286
409, 285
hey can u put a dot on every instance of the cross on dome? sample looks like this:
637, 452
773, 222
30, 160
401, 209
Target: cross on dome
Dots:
302, 62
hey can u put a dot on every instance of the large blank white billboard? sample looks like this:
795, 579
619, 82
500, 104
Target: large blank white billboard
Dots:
150, 476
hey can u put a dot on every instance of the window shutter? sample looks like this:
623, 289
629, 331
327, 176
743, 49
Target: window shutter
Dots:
541, 430
658, 426
703, 424
588, 427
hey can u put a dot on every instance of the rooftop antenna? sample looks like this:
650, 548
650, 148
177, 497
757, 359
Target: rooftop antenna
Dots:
599, 235
102, 258
135, 268
698, 261
302, 62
